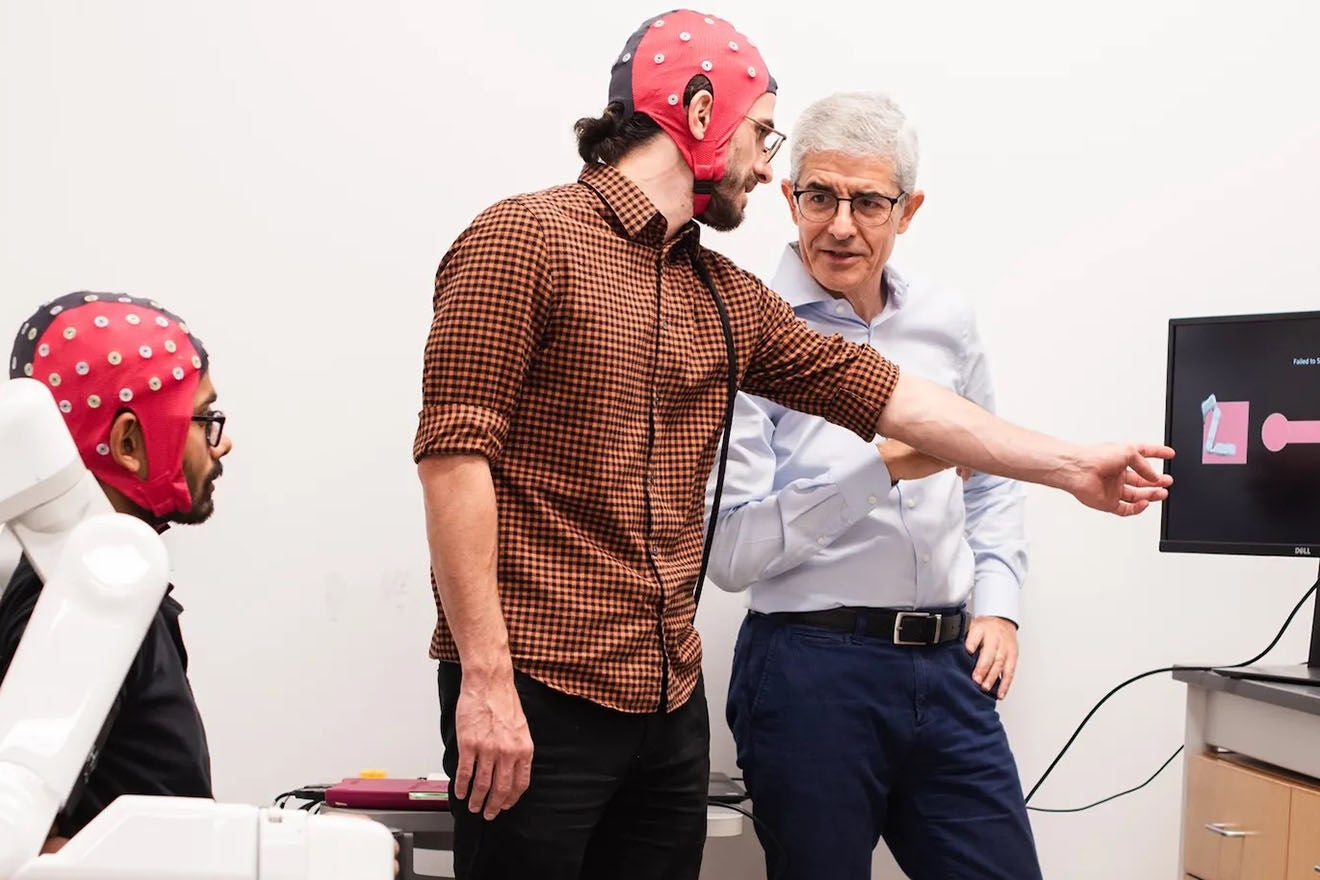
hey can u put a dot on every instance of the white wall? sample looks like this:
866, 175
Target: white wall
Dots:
287, 176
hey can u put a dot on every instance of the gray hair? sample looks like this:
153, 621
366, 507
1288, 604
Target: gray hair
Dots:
857, 124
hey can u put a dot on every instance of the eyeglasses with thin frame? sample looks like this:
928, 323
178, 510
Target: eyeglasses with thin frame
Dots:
868, 209
215, 426
772, 139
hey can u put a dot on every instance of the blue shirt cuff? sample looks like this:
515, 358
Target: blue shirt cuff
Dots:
863, 481
996, 594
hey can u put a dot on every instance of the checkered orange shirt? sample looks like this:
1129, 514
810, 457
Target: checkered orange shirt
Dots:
580, 353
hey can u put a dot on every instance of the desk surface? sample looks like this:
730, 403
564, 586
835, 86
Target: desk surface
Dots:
720, 821
1298, 697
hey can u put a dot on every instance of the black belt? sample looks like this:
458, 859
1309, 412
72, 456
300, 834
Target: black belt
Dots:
892, 625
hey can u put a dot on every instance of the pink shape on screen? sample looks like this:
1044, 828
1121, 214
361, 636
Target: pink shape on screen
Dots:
1278, 432
1232, 429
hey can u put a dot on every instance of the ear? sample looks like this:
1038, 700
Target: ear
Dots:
128, 448
910, 205
698, 113
786, 187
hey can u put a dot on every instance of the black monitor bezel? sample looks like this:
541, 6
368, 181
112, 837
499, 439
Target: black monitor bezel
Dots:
1300, 551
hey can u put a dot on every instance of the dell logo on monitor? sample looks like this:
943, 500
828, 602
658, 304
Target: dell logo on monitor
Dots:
1301, 551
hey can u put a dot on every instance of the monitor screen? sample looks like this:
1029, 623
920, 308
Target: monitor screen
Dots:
1242, 410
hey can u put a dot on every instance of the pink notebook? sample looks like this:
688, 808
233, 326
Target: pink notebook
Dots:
389, 794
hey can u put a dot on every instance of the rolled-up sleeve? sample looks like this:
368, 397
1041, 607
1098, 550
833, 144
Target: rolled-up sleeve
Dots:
492, 294
795, 366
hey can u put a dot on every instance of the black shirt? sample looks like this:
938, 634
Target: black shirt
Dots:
155, 744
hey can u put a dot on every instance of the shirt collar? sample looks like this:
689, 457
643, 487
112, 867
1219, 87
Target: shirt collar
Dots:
625, 205
795, 285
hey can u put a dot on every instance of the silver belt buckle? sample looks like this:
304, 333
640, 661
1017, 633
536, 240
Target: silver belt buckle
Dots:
898, 627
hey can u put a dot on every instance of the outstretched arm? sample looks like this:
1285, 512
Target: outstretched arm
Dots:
1115, 478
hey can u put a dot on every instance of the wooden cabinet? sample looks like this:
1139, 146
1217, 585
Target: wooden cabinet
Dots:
1245, 822
1237, 822
1242, 734
1304, 835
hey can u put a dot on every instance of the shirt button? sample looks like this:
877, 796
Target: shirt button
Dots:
925, 557
870, 499
912, 502
821, 540
838, 308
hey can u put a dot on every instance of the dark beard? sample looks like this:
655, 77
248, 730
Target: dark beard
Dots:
720, 215
203, 504
722, 212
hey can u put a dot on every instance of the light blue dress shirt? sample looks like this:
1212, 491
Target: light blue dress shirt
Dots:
809, 519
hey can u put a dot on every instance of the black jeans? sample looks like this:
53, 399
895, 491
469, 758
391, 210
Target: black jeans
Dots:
614, 796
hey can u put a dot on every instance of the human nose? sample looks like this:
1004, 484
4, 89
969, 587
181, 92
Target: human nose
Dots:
842, 225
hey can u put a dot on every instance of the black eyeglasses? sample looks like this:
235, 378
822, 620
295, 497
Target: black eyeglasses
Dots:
771, 139
215, 426
868, 209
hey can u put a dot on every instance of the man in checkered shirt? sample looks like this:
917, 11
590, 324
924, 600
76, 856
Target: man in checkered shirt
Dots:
577, 377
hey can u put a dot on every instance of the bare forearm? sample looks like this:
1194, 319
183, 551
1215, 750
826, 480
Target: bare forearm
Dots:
938, 422
462, 529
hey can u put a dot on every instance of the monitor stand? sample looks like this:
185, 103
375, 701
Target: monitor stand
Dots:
1297, 673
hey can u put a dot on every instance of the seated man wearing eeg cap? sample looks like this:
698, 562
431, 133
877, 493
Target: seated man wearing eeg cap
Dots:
135, 389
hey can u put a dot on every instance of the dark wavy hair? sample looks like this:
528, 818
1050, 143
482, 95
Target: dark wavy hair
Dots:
609, 137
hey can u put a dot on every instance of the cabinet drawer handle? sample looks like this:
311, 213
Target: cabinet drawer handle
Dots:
1222, 829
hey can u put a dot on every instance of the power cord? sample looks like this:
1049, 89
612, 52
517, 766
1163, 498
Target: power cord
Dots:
1176, 753
1163, 669
314, 795
783, 853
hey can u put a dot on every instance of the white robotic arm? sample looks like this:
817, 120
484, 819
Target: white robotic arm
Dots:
104, 575
81, 638
44, 488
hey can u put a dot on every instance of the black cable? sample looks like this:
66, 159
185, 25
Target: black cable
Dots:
312, 794
1112, 796
1287, 622
736, 809
731, 353
783, 853
1094, 709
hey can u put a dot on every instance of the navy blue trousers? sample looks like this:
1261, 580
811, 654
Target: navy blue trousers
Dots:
845, 739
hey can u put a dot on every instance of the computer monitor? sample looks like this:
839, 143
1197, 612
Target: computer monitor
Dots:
1242, 409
